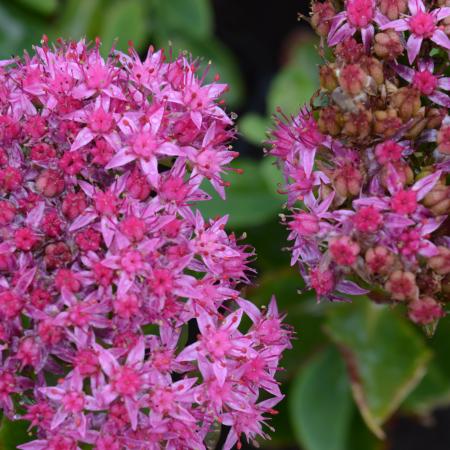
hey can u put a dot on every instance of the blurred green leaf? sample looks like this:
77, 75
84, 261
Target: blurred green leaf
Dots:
295, 83
386, 357
320, 403
186, 17
210, 50
13, 434
434, 389
19, 30
253, 128
125, 20
273, 177
40, 6
77, 19
249, 201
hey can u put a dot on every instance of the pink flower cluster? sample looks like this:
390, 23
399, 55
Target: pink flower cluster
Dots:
120, 315
366, 165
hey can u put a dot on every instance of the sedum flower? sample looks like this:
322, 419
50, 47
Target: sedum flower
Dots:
366, 165
106, 265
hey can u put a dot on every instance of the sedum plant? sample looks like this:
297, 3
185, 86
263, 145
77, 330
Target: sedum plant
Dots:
366, 163
121, 313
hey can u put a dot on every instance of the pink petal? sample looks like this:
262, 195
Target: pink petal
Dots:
120, 159
197, 118
443, 13
150, 168
444, 83
132, 409
440, 98
397, 25
82, 221
343, 33
415, 6
440, 38
83, 138
136, 354
413, 47
424, 185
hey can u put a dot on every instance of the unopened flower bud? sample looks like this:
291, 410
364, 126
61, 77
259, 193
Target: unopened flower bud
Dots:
328, 80
57, 255
441, 262
330, 121
404, 172
435, 116
374, 68
343, 250
388, 45
347, 180
321, 15
407, 102
379, 260
438, 199
443, 140
386, 123
350, 50
50, 183
352, 79
402, 286
392, 9
357, 125
425, 310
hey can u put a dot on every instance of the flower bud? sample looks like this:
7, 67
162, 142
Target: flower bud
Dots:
407, 102
352, 79
388, 45
379, 260
435, 117
57, 255
402, 286
438, 199
443, 140
328, 80
392, 9
357, 125
425, 310
343, 250
50, 183
330, 121
374, 68
321, 15
386, 123
441, 262
347, 180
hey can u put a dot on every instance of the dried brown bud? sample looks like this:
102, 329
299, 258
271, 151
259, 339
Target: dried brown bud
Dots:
387, 123
392, 8
352, 79
330, 121
321, 15
358, 124
374, 68
328, 79
388, 45
407, 102
438, 199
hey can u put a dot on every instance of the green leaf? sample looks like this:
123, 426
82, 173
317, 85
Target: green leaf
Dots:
125, 20
45, 7
13, 434
386, 357
78, 19
186, 17
320, 403
296, 83
249, 201
434, 390
253, 128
